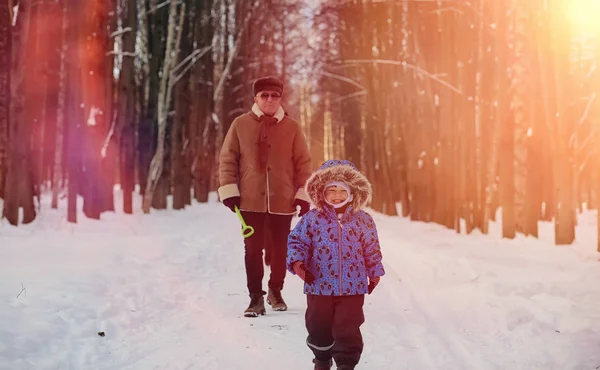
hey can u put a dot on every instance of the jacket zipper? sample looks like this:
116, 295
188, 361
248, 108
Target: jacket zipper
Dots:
340, 252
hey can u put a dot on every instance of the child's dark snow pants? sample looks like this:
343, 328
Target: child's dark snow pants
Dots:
333, 325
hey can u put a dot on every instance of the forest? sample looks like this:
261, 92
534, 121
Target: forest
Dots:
459, 112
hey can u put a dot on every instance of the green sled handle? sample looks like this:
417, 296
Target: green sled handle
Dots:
247, 231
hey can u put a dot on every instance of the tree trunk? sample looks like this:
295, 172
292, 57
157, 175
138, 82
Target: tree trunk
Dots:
5, 85
180, 185
482, 120
74, 102
506, 130
19, 183
495, 68
156, 28
60, 109
73, 126
96, 188
597, 183
177, 159
164, 101
536, 141
37, 112
564, 226
203, 130
126, 110
109, 152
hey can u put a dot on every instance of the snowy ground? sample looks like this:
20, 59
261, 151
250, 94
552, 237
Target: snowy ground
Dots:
168, 291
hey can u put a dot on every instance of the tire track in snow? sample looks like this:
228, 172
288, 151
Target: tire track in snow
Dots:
171, 307
423, 355
431, 322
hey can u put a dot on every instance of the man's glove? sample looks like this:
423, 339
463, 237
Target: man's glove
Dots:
301, 270
304, 206
373, 283
232, 202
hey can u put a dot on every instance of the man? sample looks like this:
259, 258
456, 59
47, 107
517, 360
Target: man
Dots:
263, 166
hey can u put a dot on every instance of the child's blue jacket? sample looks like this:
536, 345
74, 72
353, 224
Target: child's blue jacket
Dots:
342, 253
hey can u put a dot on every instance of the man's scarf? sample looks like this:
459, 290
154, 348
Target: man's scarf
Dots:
263, 141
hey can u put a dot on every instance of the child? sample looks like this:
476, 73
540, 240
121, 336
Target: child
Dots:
334, 248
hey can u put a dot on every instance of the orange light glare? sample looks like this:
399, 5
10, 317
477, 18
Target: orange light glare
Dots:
583, 16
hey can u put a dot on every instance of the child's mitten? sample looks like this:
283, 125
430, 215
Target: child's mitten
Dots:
301, 270
373, 283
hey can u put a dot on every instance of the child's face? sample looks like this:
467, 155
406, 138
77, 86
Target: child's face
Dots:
336, 194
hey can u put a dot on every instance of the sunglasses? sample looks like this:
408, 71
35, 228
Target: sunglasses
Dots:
266, 96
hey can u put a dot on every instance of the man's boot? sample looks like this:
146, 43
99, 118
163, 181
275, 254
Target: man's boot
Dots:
322, 365
276, 301
256, 307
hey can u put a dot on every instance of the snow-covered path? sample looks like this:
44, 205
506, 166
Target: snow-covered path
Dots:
168, 291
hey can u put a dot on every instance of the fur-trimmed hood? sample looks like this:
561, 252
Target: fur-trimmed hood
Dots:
339, 170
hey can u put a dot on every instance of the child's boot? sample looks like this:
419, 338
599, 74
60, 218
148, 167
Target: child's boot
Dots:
322, 365
345, 367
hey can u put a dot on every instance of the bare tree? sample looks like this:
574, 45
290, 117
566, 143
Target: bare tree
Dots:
180, 173
5, 73
164, 98
202, 124
126, 107
57, 99
19, 183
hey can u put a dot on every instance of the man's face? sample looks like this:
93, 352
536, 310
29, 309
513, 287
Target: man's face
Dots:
268, 101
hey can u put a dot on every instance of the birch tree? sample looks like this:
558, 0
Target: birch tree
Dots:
174, 31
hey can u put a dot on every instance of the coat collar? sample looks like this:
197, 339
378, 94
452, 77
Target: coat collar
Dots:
330, 212
280, 114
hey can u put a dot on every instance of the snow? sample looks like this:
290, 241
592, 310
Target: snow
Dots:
168, 290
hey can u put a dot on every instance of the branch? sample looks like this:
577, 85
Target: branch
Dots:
164, 87
185, 146
588, 140
587, 109
591, 71
405, 65
124, 53
163, 4
343, 78
177, 43
585, 161
120, 32
22, 290
232, 55
450, 8
583, 118
192, 55
190, 65
349, 96
110, 134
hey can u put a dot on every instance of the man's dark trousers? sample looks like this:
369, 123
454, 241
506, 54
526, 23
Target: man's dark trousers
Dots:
275, 239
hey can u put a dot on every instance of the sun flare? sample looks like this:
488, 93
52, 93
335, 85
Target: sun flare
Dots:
583, 15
